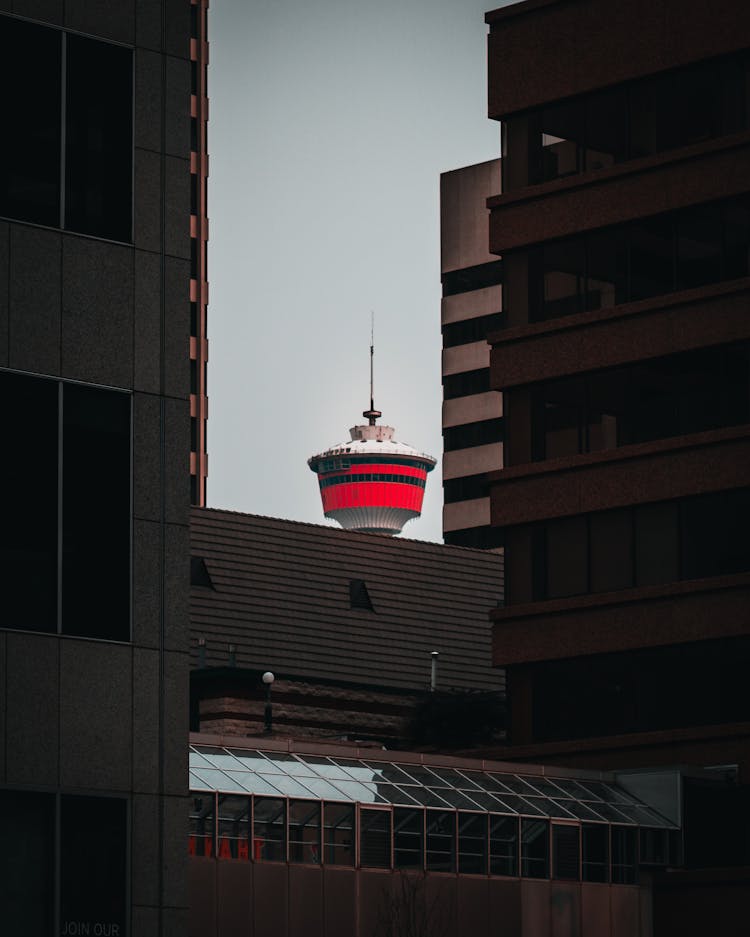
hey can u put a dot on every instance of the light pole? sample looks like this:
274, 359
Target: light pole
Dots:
268, 679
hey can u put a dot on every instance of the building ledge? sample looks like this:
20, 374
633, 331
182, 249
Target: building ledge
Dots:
582, 180
660, 739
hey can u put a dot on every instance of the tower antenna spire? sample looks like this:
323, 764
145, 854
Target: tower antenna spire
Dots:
372, 414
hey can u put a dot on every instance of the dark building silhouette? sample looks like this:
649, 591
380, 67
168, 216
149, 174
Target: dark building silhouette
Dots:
624, 228
94, 329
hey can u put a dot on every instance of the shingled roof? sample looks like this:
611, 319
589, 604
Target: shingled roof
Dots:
293, 598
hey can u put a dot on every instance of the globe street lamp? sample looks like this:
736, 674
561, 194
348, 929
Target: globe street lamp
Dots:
268, 679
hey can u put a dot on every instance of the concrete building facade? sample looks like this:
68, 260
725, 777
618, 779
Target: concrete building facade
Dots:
470, 310
94, 330
624, 495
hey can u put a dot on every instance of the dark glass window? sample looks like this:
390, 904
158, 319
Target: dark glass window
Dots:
91, 445
27, 863
28, 550
201, 827
480, 538
468, 435
624, 848
441, 840
466, 488
466, 383
471, 330
375, 839
702, 101
567, 557
691, 538
472, 278
694, 247
92, 140
686, 393
504, 845
96, 513
304, 831
234, 827
99, 138
595, 847
534, 848
269, 829
93, 862
565, 852
472, 843
408, 838
30, 159
338, 833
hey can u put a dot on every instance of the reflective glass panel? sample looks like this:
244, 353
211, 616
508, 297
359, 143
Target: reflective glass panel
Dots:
338, 834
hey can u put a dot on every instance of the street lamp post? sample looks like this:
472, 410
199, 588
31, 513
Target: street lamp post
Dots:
268, 679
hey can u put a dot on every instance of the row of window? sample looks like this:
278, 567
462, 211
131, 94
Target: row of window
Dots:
65, 553
702, 101
481, 433
268, 829
372, 477
648, 544
466, 383
70, 119
471, 330
656, 399
333, 465
65, 857
472, 278
466, 488
479, 538
680, 250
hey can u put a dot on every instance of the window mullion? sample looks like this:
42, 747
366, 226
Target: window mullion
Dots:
60, 539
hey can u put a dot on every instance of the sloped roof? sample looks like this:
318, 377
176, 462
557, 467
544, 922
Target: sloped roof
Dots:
282, 596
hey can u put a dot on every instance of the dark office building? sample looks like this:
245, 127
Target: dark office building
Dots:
624, 228
94, 329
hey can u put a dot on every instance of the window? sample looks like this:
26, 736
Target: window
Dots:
472, 434
86, 866
649, 544
595, 848
504, 845
466, 488
91, 136
65, 556
702, 101
472, 278
565, 852
304, 832
694, 247
624, 846
466, 384
338, 833
408, 836
534, 848
471, 330
233, 828
441, 841
201, 826
269, 829
472, 843
675, 395
375, 838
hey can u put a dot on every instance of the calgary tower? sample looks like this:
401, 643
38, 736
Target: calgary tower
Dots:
372, 483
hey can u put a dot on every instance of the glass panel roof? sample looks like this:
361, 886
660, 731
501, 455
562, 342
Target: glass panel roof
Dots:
233, 770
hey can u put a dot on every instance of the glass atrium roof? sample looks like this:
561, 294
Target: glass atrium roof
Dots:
281, 774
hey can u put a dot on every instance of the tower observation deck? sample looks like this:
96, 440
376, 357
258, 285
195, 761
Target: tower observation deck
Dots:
372, 483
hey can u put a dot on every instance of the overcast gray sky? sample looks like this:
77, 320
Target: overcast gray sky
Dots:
330, 123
